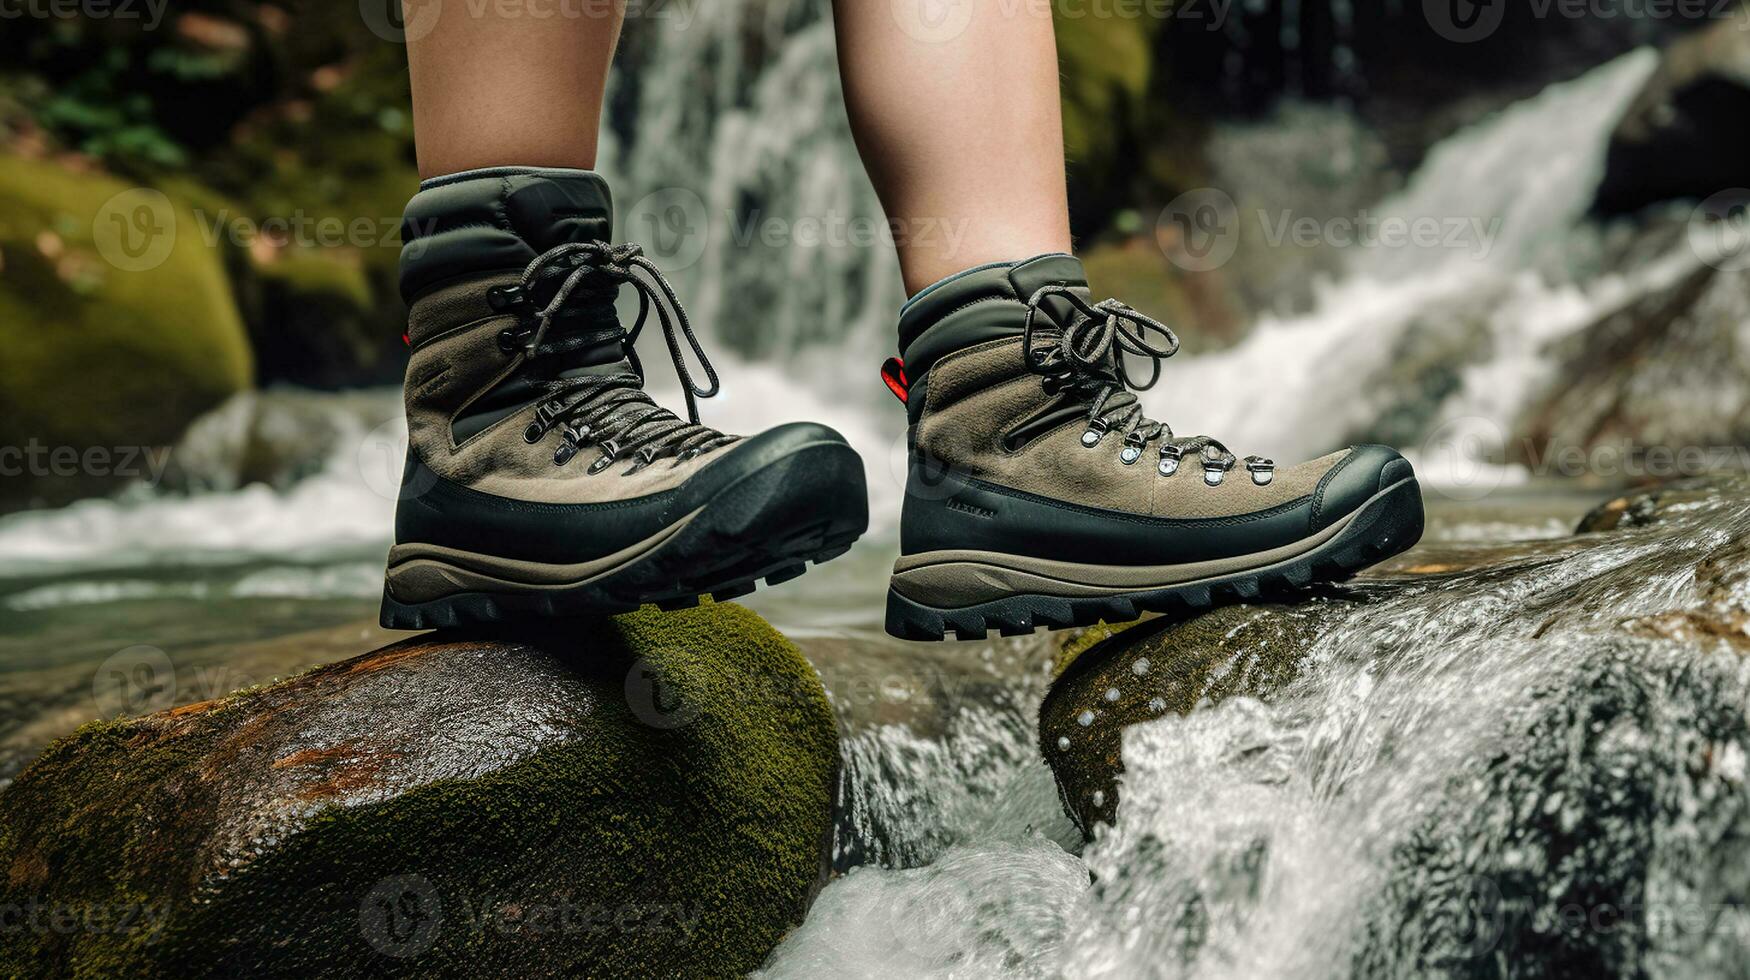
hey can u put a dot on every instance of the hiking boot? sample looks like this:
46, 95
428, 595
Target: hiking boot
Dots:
541, 480
1039, 494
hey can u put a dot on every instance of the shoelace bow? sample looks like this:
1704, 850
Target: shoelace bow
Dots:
1087, 357
612, 410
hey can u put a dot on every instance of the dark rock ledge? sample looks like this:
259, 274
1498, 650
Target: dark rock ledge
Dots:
648, 795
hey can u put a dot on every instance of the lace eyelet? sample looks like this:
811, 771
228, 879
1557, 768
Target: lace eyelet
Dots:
506, 297
533, 433
1170, 456
1212, 475
1131, 454
1263, 470
565, 453
610, 453
1097, 429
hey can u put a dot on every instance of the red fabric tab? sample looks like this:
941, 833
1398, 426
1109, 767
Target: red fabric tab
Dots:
893, 372
407, 339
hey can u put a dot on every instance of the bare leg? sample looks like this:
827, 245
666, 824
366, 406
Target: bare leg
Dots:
491, 90
958, 121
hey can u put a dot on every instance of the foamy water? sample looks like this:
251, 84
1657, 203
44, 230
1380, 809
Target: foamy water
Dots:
347, 507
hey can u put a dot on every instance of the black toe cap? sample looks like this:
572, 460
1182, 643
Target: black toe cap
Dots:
780, 441
1355, 480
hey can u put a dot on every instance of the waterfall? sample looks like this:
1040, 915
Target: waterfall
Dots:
739, 154
1503, 197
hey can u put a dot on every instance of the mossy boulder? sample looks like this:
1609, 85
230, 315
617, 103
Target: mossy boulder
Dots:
118, 324
647, 795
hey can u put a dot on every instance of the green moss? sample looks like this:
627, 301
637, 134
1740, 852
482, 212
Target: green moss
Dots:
311, 272
98, 354
710, 823
1106, 69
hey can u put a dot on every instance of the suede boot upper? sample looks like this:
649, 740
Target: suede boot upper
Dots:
1011, 432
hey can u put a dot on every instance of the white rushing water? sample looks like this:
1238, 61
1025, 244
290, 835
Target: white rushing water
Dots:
1512, 190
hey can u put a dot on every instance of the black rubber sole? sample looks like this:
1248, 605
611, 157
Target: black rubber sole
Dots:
810, 506
1389, 525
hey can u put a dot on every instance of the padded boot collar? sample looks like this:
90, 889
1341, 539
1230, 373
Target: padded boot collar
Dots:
489, 221
982, 304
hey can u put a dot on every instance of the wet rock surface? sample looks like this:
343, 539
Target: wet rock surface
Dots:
647, 795
1683, 137
1516, 759
1646, 507
1652, 390
1110, 679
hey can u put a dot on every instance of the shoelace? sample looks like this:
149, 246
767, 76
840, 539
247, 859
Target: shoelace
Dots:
1087, 357
612, 411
